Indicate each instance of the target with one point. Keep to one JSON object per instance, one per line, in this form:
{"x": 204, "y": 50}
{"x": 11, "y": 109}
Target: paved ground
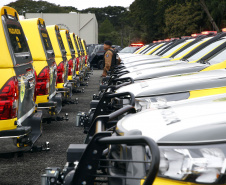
{"x": 28, "y": 168}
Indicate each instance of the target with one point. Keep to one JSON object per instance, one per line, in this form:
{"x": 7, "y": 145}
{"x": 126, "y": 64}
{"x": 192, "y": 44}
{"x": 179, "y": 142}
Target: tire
{"x": 100, "y": 64}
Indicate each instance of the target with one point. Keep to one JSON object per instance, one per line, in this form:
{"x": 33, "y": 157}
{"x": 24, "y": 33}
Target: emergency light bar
{"x": 209, "y": 32}
{"x": 137, "y": 44}
{"x": 196, "y": 34}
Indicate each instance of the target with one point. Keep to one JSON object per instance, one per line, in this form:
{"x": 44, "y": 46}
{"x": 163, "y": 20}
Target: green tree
{"x": 182, "y": 19}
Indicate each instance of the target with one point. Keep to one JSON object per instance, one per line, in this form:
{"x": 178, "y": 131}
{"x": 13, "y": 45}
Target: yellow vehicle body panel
{"x": 53, "y": 37}
{"x": 141, "y": 49}
{"x": 73, "y": 42}
{"x": 207, "y": 92}
{"x": 31, "y": 30}
{"x": 221, "y": 65}
{"x": 42, "y": 99}
{"x": 154, "y": 49}
{"x": 80, "y": 51}
{"x": 64, "y": 38}
{"x": 39, "y": 66}
{"x": 6, "y": 60}
{"x": 58, "y": 60}
{"x": 8, "y": 124}
{"x": 6, "y": 65}
{"x": 163, "y": 181}
{"x": 6, "y": 74}
{"x": 84, "y": 47}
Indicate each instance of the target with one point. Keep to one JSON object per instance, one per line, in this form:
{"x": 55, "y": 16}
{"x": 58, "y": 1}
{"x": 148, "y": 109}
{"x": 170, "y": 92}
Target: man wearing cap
{"x": 109, "y": 58}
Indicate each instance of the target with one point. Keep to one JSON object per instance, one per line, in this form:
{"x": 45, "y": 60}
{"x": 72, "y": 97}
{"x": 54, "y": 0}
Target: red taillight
{"x": 9, "y": 96}
{"x": 60, "y": 73}
{"x": 42, "y": 87}
{"x": 86, "y": 59}
{"x": 36, "y": 88}
{"x": 77, "y": 65}
{"x": 70, "y": 67}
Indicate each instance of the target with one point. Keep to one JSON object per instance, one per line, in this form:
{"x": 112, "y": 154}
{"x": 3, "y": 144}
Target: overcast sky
{"x": 83, "y": 4}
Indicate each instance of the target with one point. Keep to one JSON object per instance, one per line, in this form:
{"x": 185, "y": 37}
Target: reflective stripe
{"x": 19, "y": 121}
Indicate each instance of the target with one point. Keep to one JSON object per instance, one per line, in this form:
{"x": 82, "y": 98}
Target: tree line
{"x": 145, "y": 20}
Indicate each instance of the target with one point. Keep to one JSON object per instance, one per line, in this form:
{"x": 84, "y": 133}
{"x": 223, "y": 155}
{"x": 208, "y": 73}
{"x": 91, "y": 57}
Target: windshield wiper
{"x": 185, "y": 59}
{"x": 202, "y": 61}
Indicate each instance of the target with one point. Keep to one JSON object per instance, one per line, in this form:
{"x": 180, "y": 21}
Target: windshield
{"x": 59, "y": 38}
{"x": 80, "y": 44}
{"x": 175, "y": 48}
{"x": 147, "y": 49}
{"x": 128, "y": 50}
{"x": 205, "y": 50}
{"x": 191, "y": 47}
{"x": 220, "y": 57}
{"x": 160, "y": 48}
{"x": 17, "y": 38}
{"x": 76, "y": 44}
{"x": 46, "y": 40}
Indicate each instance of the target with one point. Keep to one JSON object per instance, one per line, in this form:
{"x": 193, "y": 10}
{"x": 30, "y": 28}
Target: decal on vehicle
{"x": 170, "y": 116}
{"x": 22, "y": 89}
{"x": 51, "y": 75}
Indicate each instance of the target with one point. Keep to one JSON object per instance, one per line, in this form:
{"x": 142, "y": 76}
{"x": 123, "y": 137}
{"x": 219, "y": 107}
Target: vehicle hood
{"x": 177, "y": 83}
{"x": 146, "y": 61}
{"x": 139, "y": 58}
{"x": 165, "y": 71}
{"x": 199, "y": 121}
{"x": 153, "y": 65}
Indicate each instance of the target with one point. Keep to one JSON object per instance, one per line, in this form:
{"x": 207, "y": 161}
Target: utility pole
{"x": 205, "y": 8}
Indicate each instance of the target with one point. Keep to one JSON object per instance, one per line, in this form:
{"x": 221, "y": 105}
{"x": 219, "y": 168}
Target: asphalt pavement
{"x": 27, "y": 169}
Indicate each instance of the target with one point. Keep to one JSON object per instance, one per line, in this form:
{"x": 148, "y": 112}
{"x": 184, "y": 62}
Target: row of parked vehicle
{"x": 41, "y": 67}
{"x": 159, "y": 118}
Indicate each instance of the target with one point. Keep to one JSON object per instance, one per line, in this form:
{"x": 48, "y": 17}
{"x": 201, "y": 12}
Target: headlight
{"x": 197, "y": 164}
{"x": 150, "y": 103}
{"x": 158, "y": 102}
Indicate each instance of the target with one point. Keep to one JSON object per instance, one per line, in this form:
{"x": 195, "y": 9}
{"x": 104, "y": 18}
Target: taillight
{"x": 36, "y": 88}
{"x": 77, "y": 65}
{"x": 70, "y": 67}
{"x": 60, "y": 73}
{"x": 9, "y": 96}
{"x": 86, "y": 59}
{"x": 43, "y": 82}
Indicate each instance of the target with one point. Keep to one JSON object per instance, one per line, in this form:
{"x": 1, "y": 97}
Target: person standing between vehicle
{"x": 109, "y": 58}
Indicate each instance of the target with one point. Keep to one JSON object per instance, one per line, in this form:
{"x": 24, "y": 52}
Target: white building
{"x": 82, "y": 24}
